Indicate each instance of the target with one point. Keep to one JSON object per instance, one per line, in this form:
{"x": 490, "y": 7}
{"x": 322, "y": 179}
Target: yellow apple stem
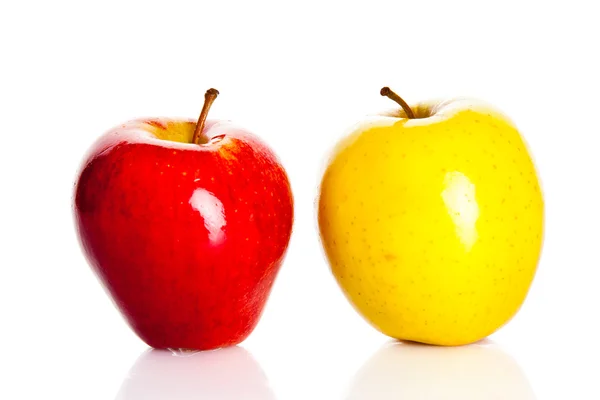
{"x": 209, "y": 98}
{"x": 386, "y": 91}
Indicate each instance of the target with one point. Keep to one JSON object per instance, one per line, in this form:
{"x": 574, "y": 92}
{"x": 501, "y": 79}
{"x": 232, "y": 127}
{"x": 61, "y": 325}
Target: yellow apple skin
{"x": 433, "y": 226}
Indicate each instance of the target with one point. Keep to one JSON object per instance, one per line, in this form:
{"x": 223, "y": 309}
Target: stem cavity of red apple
{"x": 386, "y": 91}
{"x": 209, "y": 97}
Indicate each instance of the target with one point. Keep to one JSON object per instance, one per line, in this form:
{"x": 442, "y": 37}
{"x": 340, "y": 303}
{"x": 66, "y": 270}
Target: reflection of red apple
{"x": 186, "y": 224}
{"x": 230, "y": 373}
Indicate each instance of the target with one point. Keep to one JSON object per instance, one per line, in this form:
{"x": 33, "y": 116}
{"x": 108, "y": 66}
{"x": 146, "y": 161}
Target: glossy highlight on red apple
{"x": 186, "y": 224}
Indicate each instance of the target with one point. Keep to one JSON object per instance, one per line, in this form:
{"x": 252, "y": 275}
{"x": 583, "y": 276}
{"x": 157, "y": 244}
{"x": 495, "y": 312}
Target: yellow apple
{"x": 432, "y": 218}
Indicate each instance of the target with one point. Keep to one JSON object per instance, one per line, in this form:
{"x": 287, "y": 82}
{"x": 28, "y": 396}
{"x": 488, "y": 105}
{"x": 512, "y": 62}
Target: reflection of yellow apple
{"x": 433, "y": 225}
{"x": 413, "y": 371}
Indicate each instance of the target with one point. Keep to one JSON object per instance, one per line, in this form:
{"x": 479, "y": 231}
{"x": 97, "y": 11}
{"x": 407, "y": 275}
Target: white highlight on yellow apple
{"x": 459, "y": 197}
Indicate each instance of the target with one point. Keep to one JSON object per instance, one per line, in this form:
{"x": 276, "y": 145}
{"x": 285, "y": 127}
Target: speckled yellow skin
{"x": 433, "y": 227}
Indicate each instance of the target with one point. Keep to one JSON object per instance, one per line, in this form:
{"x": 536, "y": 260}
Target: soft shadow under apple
{"x": 414, "y": 371}
{"x": 229, "y": 373}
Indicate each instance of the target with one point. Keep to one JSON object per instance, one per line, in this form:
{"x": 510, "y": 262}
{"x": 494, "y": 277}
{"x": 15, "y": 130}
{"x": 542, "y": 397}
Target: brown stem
{"x": 386, "y": 91}
{"x": 209, "y": 98}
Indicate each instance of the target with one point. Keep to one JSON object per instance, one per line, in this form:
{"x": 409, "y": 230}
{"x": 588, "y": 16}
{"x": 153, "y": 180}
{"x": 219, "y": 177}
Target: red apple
{"x": 186, "y": 225}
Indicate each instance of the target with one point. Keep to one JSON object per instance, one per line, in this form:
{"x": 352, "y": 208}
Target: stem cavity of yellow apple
{"x": 386, "y": 91}
{"x": 209, "y": 97}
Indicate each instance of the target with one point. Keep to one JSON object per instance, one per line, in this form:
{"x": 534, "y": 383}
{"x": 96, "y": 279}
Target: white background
{"x": 297, "y": 74}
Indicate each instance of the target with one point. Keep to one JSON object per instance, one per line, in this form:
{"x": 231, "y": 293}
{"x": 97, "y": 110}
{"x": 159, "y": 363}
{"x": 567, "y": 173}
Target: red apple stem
{"x": 386, "y": 91}
{"x": 199, "y": 136}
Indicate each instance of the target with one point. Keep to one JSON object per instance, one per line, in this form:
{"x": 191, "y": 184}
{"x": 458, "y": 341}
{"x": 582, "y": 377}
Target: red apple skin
{"x": 187, "y": 239}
